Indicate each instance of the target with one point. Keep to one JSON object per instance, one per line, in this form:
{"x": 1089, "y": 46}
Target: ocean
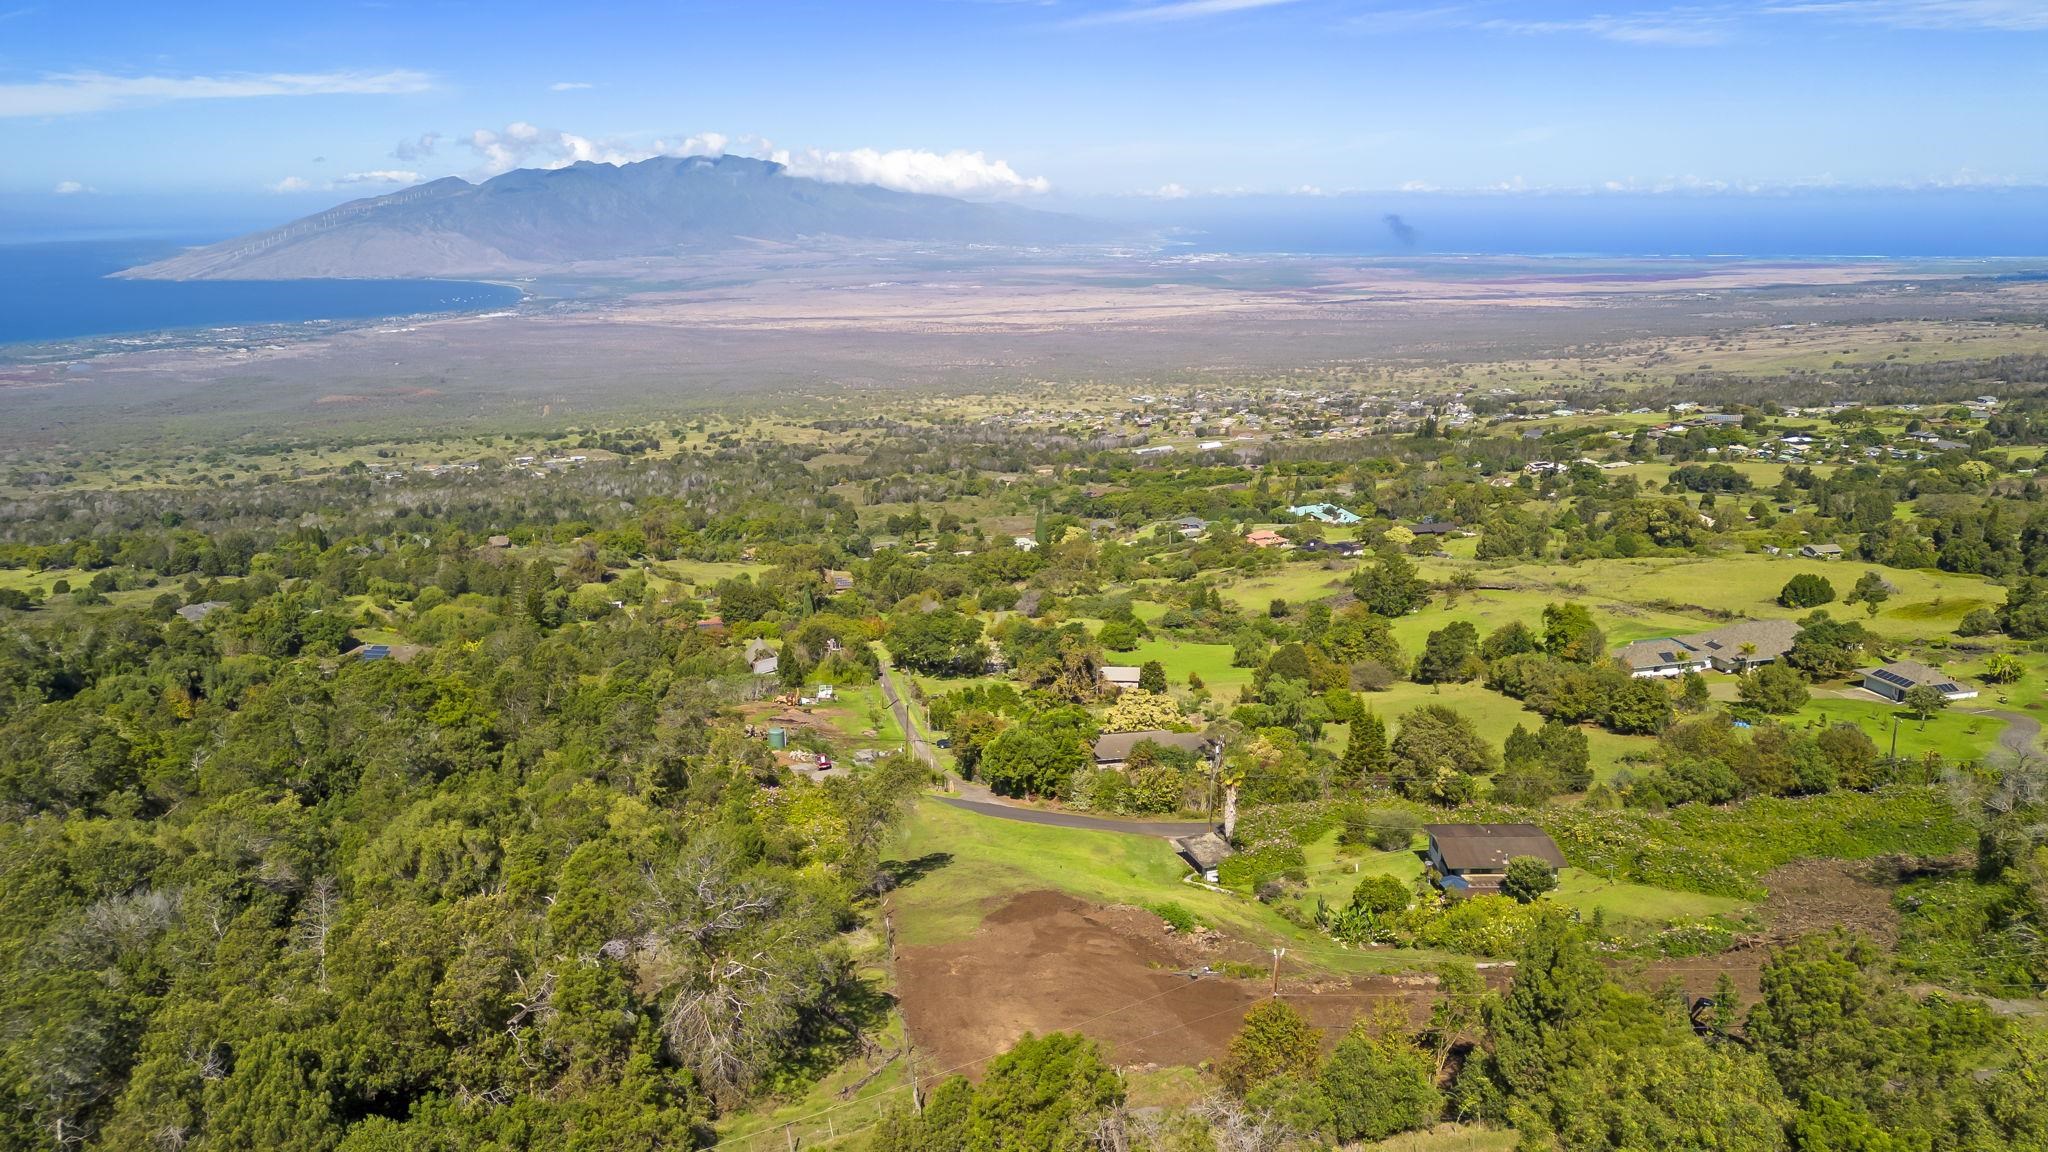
{"x": 60, "y": 291}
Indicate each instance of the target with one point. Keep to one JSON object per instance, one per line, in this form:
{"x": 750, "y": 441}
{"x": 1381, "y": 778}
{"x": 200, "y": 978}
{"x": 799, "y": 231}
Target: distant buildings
{"x": 1325, "y": 513}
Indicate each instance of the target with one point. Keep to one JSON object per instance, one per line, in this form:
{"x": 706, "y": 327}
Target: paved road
{"x": 1002, "y": 811}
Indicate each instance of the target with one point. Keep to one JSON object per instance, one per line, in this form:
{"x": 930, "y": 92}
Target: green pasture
{"x": 982, "y": 860}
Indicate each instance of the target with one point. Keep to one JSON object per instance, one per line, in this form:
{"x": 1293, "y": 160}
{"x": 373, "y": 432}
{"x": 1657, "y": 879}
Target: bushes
{"x": 1253, "y": 867}
{"x": 1382, "y": 829}
{"x": 1806, "y": 590}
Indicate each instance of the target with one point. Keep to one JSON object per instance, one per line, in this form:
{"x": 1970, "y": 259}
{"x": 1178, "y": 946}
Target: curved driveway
{"x": 981, "y": 801}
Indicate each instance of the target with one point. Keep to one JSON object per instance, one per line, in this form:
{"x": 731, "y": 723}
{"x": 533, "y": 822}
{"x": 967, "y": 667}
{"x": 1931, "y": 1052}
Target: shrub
{"x": 1527, "y": 879}
{"x": 1384, "y": 829}
{"x": 1806, "y": 590}
{"x": 1177, "y": 915}
{"x": 1269, "y": 861}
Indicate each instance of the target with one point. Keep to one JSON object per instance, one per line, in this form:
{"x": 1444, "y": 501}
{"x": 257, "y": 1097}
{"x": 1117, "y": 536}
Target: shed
{"x": 194, "y": 613}
{"x": 1205, "y": 851}
{"x": 1472, "y": 858}
{"x": 1121, "y": 675}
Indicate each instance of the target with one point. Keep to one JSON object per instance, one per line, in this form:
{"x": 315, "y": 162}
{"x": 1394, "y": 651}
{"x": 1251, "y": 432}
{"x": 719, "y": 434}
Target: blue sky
{"x": 311, "y": 104}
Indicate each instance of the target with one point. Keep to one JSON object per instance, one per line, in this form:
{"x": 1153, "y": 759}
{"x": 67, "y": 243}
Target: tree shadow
{"x": 898, "y": 873}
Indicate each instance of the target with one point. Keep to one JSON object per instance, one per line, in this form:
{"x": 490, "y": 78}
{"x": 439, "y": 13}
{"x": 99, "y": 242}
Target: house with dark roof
{"x": 1821, "y": 551}
{"x": 1113, "y": 749}
{"x": 1892, "y": 681}
{"x": 1471, "y": 859}
{"x": 1435, "y": 528}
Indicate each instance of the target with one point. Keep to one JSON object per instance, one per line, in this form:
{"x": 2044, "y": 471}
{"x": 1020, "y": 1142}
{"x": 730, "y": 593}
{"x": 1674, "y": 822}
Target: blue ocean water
{"x": 60, "y": 291}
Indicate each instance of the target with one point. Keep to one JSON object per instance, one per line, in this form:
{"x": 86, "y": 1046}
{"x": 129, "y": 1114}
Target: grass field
{"x": 1960, "y": 733}
{"x": 1577, "y": 888}
{"x": 987, "y": 859}
{"x": 1927, "y": 604}
{"x": 1209, "y": 661}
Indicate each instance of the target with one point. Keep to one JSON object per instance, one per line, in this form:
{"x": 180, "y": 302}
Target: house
{"x": 1210, "y": 446}
{"x": 766, "y": 665}
{"x": 1733, "y": 648}
{"x": 1435, "y": 528}
{"x": 1821, "y": 551}
{"x": 1894, "y": 680}
{"x": 1265, "y": 538}
{"x": 1745, "y": 644}
{"x": 194, "y": 613}
{"x": 1123, "y": 676}
{"x": 1205, "y": 852}
{"x": 839, "y": 581}
{"x": 1113, "y": 749}
{"x": 1326, "y": 513}
{"x": 1471, "y": 859}
{"x": 499, "y": 541}
{"x": 1191, "y": 526}
{"x": 1660, "y": 659}
{"x": 712, "y": 625}
{"x": 1024, "y": 543}
{"x": 374, "y": 652}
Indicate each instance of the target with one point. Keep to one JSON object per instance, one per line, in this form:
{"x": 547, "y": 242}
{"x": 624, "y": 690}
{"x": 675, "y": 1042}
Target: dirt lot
{"x": 1807, "y": 896}
{"x": 1044, "y": 961}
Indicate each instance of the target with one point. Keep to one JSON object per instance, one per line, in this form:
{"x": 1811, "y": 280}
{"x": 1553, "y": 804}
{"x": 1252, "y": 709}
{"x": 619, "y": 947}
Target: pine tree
{"x": 1365, "y": 754}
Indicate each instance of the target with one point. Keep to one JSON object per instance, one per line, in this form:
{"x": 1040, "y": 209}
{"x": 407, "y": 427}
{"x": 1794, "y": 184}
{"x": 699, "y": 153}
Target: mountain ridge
{"x": 533, "y": 220}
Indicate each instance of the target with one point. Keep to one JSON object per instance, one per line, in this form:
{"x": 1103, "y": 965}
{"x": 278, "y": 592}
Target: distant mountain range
{"x": 535, "y": 220}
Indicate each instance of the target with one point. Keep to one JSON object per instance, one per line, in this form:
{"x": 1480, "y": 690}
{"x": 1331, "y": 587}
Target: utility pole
{"x": 1895, "y": 742}
{"x": 1277, "y": 954}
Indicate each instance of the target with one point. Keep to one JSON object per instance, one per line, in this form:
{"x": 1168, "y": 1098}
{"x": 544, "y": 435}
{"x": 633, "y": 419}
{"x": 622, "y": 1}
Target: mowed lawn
{"x": 979, "y": 861}
{"x": 1209, "y": 661}
{"x": 1962, "y": 732}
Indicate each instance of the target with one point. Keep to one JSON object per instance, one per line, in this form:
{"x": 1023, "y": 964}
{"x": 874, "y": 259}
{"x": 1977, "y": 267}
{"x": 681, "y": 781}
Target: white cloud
{"x": 380, "y": 176}
{"x": 292, "y": 184}
{"x": 1168, "y": 192}
{"x": 1928, "y": 15}
{"x": 569, "y": 86}
{"x": 956, "y": 173}
{"x": 71, "y": 188}
{"x": 425, "y": 144}
{"x": 71, "y": 93}
{"x": 1178, "y": 10}
{"x": 1686, "y": 29}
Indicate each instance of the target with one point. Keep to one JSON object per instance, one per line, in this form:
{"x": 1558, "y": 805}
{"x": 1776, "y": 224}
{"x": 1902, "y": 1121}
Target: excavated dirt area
{"x": 1044, "y": 961}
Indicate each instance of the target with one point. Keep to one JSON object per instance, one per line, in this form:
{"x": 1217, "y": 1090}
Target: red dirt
{"x": 1044, "y": 962}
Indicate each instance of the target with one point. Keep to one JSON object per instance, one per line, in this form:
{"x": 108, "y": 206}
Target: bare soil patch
{"x": 1044, "y": 962}
{"x": 1806, "y": 896}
